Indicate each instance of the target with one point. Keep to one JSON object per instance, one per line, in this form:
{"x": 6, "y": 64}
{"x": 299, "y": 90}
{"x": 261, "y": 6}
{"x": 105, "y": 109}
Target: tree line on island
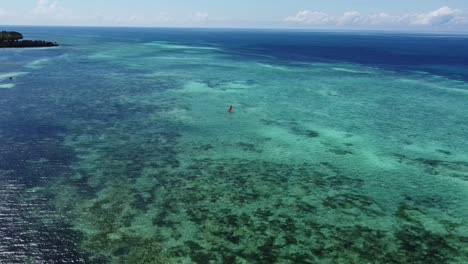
{"x": 13, "y": 39}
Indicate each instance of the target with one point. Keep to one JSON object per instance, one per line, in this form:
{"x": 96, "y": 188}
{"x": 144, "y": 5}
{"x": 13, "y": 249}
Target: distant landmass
{"x": 12, "y": 39}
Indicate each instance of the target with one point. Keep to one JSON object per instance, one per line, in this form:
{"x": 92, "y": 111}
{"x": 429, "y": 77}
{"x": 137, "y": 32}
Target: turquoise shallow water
{"x": 117, "y": 147}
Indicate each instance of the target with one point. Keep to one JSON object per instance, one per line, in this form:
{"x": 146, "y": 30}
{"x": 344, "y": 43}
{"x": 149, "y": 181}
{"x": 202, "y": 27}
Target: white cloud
{"x": 47, "y": 8}
{"x": 199, "y": 17}
{"x": 310, "y": 17}
{"x": 53, "y": 12}
{"x": 56, "y": 12}
{"x": 6, "y": 16}
{"x": 140, "y": 20}
{"x": 352, "y": 18}
{"x": 384, "y": 19}
{"x": 442, "y": 17}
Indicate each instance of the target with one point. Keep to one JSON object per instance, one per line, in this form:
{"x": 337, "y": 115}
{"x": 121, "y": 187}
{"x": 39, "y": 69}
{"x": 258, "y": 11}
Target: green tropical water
{"x": 319, "y": 162}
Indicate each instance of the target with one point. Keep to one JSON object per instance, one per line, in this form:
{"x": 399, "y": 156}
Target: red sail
{"x": 230, "y": 109}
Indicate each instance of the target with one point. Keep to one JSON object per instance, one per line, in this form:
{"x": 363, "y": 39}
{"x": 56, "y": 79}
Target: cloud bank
{"x": 52, "y": 11}
{"x": 56, "y": 12}
{"x": 443, "y": 17}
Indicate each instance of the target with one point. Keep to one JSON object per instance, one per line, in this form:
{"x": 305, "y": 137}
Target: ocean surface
{"x": 342, "y": 147}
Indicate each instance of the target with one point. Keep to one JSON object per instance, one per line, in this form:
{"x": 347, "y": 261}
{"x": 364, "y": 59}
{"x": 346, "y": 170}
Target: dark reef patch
{"x": 312, "y": 133}
{"x": 248, "y": 147}
{"x": 340, "y": 152}
{"x": 205, "y": 147}
{"x": 445, "y": 152}
{"x": 456, "y": 169}
{"x": 304, "y": 132}
{"x": 423, "y": 245}
{"x": 348, "y": 201}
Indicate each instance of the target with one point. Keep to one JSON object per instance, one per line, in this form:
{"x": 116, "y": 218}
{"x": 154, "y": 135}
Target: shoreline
{"x": 28, "y": 44}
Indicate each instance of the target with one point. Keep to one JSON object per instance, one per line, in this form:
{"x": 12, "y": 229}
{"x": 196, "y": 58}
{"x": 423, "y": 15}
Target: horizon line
{"x": 252, "y": 28}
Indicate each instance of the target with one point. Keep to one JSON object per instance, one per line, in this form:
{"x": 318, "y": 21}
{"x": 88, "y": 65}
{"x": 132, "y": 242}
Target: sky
{"x": 427, "y": 15}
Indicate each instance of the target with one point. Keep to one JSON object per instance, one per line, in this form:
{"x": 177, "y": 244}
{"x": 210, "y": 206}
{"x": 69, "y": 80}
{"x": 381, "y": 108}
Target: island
{"x": 12, "y": 39}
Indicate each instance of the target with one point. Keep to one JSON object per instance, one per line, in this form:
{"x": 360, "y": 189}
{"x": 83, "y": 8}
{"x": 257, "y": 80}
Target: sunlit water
{"x": 117, "y": 147}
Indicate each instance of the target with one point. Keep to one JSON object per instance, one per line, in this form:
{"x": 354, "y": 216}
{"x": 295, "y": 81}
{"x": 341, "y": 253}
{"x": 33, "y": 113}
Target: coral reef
{"x": 139, "y": 162}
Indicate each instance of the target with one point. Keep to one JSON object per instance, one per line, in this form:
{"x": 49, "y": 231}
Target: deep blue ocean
{"x": 342, "y": 147}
